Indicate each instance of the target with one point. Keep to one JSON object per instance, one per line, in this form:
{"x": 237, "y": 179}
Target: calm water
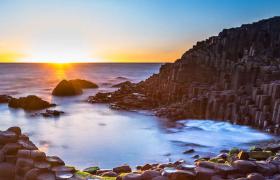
{"x": 94, "y": 134}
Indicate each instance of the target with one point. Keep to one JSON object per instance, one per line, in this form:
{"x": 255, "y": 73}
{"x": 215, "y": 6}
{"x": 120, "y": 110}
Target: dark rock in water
{"x": 52, "y": 113}
{"x": 83, "y": 84}
{"x": 5, "y": 98}
{"x": 66, "y": 88}
{"x": 126, "y": 83}
{"x": 29, "y": 103}
{"x": 189, "y": 151}
{"x": 72, "y": 87}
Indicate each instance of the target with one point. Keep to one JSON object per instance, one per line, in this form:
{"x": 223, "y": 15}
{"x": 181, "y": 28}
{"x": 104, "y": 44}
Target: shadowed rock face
{"x": 29, "y": 103}
{"x": 72, "y": 87}
{"x": 233, "y": 76}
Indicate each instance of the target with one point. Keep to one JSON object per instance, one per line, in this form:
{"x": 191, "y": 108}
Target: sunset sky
{"x": 117, "y": 30}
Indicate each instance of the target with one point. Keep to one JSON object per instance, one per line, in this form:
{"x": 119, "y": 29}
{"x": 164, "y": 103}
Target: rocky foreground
{"x": 21, "y": 159}
{"x": 234, "y": 76}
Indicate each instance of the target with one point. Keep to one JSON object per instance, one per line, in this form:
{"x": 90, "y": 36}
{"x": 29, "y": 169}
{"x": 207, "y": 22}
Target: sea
{"x": 95, "y": 135}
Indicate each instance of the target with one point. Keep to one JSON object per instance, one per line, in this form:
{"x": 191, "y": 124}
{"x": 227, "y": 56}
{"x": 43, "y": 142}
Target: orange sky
{"x": 117, "y": 30}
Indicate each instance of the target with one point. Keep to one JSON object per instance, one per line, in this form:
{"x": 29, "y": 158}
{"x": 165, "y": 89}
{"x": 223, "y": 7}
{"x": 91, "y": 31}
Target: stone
{"x": 146, "y": 167}
{"x": 8, "y": 137}
{"x": 189, "y": 151}
{"x": 92, "y": 170}
{"x": 160, "y": 178}
{"x": 242, "y": 155}
{"x": 182, "y": 175}
{"x": 52, "y": 113}
{"x": 109, "y": 174}
{"x": 11, "y": 148}
{"x": 260, "y": 155}
{"x": 122, "y": 84}
{"x": 132, "y": 176}
{"x": 150, "y": 174}
{"x": 54, "y": 161}
{"x": 37, "y": 155}
{"x": 83, "y": 84}
{"x": 66, "y": 88}
{"x": 5, "y": 98}
{"x": 7, "y": 171}
{"x": 245, "y": 166}
{"x": 255, "y": 176}
{"x": 204, "y": 173}
{"x": 29, "y": 103}
{"x": 122, "y": 169}
{"x": 15, "y": 129}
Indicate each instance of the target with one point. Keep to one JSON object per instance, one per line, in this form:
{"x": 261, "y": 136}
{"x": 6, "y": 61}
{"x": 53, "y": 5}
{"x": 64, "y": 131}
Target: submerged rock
{"x": 52, "y": 113}
{"x": 29, "y": 103}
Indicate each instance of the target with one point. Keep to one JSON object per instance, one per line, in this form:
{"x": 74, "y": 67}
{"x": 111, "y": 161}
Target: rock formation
{"x": 233, "y": 76}
{"x": 72, "y": 87}
{"x": 29, "y": 103}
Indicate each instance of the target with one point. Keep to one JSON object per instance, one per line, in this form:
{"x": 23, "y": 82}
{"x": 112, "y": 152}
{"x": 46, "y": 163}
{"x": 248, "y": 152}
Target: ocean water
{"x": 95, "y": 135}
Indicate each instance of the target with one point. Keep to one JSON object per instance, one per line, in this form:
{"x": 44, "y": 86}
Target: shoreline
{"x": 21, "y": 159}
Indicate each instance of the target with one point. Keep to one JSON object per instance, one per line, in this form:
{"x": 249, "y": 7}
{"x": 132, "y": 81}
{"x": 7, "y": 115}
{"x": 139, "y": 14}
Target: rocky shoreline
{"x": 234, "y": 77}
{"x": 21, "y": 159}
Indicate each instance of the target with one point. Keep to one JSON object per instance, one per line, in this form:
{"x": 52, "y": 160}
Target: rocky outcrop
{"x": 72, "y": 87}
{"x": 20, "y": 159}
{"x": 233, "y": 76}
{"x": 29, "y": 103}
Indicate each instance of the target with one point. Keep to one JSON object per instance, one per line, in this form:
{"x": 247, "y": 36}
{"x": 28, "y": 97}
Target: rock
{"x": 37, "y": 155}
{"x": 150, "y": 174}
{"x": 54, "y": 161}
{"x": 131, "y": 176}
{"x": 189, "y": 151}
{"x": 15, "y": 129}
{"x": 204, "y": 173}
{"x": 5, "y": 98}
{"x": 122, "y": 169}
{"x": 52, "y": 113}
{"x": 8, "y": 137}
{"x": 160, "y": 178}
{"x": 242, "y": 155}
{"x": 182, "y": 175}
{"x": 7, "y": 171}
{"x": 66, "y": 88}
{"x": 260, "y": 155}
{"x": 83, "y": 84}
{"x": 92, "y": 170}
{"x": 109, "y": 174}
{"x": 255, "y": 176}
{"x": 29, "y": 103}
{"x": 245, "y": 166}
{"x": 146, "y": 167}
{"x": 122, "y": 84}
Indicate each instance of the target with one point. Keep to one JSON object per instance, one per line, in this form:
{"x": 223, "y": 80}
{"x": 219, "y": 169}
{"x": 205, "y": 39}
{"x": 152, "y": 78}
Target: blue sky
{"x": 117, "y": 30}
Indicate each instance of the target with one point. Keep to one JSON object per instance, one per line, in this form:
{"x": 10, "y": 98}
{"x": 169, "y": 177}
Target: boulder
{"x": 109, "y": 174}
{"x": 130, "y": 176}
{"x": 122, "y": 84}
{"x": 5, "y": 98}
{"x": 122, "y": 169}
{"x": 245, "y": 166}
{"x": 83, "y": 84}
{"x": 66, "y": 88}
{"x": 150, "y": 174}
{"x": 7, "y": 171}
{"x": 260, "y": 155}
{"x": 182, "y": 175}
{"x": 29, "y": 103}
{"x": 255, "y": 176}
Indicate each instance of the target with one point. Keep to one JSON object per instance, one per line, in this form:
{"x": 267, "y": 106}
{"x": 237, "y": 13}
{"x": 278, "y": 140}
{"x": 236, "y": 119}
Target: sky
{"x": 117, "y": 30}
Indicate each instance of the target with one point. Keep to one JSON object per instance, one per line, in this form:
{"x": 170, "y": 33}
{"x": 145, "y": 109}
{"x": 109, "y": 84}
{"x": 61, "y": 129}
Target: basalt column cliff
{"x": 233, "y": 76}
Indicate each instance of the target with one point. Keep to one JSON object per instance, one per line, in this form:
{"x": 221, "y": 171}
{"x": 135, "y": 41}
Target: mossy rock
{"x": 260, "y": 155}
{"x": 92, "y": 170}
{"x": 233, "y": 151}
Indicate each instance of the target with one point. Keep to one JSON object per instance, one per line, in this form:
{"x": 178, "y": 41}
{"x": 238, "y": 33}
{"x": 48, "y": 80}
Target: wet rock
{"x": 122, "y": 84}
{"x": 8, "y": 137}
{"x": 150, "y": 174}
{"x": 52, "y": 113}
{"x": 15, "y": 129}
{"x": 255, "y": 176}
{"x": 83, "y": 84}
{"x": 5, "y": 98}
{"x": 7, "y": 171}
{"x": 189, "y": 151}
{"x": 242, "y": 155}
{"x": 259, "y": 155}
{"x": 122, "y": 169}
{"x": 130, "y": 176}
{"x": 66, "y": 88}
{"x": 182, "y": 175}
{"x": 109, "y": 174}
{"x": 29, "y": 103}
{"x": 204, "y": 173}
{"x": 160, "y": 178}
{"x": 54, "y": 161}
{"x": 245, "y": 166}
{"x": 146, "y": 167}
{"x": 92, "y": 170}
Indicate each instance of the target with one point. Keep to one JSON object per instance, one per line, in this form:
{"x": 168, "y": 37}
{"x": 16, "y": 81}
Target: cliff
{"x": 234, "y": 76}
